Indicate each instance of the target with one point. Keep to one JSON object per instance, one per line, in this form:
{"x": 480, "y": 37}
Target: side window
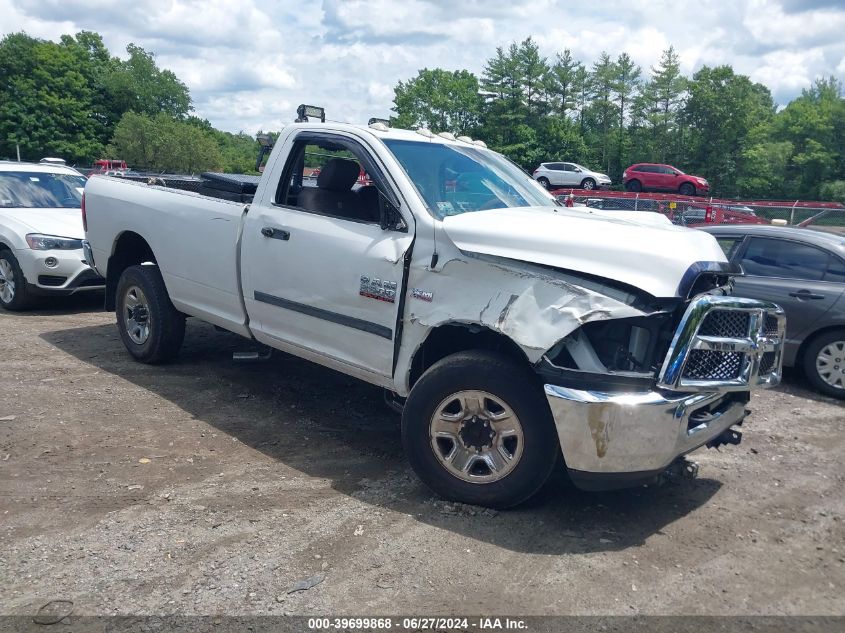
{"x": 326, "y": 177}
{"x": 781, "y": 258}
{"x": 835, "y": 270}
{"x": 729, "y": 245}
{"x": 568, "y": 167}
{"x": 646, "y": 169}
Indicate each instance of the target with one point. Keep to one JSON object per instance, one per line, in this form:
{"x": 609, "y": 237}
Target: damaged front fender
{"x": 532, "y": 306}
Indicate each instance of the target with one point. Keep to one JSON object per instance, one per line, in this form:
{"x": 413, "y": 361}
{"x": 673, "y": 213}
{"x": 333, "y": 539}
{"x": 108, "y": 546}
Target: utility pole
{"x": 18, "y": 149}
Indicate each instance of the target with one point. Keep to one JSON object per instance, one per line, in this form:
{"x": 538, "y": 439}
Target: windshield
{"x": 453, "y": 179}
{"x": 40, "y": 190}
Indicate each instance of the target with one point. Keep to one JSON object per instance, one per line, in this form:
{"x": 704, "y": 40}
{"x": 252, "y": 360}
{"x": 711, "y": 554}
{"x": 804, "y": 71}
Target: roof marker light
{"x": 465, "y": 139}
{"x": 447, "y": 135}
{"x": 378, "y": 126}
{"x": 424, "y": 131}
{"x": 480, "y": 143}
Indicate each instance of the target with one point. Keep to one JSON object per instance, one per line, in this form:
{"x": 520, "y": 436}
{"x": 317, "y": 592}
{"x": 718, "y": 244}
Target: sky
{"x": 249, "y": 63}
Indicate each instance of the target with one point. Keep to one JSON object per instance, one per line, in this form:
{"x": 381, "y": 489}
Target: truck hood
{"x": 59, "y": 222}
{"x": 647, "y": 255}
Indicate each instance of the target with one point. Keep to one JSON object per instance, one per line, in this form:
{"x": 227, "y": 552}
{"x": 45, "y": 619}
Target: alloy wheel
{"x": 7, "y": 281}
{"x": 137, "y": 315}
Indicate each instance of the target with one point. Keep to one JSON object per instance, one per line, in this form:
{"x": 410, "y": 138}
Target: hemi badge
{"x": 422, "y": 295}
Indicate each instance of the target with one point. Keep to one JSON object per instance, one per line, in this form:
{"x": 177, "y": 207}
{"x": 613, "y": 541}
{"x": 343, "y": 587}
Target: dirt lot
{"x": 213, "y": 487}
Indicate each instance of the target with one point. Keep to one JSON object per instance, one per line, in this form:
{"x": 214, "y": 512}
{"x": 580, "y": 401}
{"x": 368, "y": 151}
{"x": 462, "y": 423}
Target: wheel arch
{"x": 129, "y": 249}
{"x": 452, "y": 337}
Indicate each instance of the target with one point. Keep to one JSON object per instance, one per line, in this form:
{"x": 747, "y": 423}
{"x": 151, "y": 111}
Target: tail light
{"x": 708, "y": 214}
{"x": 84, "y": 217}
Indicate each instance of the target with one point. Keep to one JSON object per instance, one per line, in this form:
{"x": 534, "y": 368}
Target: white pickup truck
{"x": 509, "y": 329}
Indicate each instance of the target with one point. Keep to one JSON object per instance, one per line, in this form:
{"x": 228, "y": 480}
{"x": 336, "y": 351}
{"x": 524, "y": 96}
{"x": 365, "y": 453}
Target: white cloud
{"x": 248, "y": 63}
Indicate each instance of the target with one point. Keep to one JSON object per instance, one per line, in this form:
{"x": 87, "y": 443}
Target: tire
{"x": 151, "y": 329}
{"x": 824, "y": 363}
{"x": 588, "y": 183}
{"x": 687, "y": 189}
{"x": 544, "y": 181}
{"x": 525, "y": 446}
{"x": 633, "y": 185}
{"x": 14, "y": 294}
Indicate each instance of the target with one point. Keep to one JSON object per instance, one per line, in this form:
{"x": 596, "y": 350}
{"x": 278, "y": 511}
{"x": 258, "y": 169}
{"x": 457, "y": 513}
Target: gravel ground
{"x": 211, "y": 487}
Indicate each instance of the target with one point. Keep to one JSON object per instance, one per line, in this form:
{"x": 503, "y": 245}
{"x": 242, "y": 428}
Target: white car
{"x": 552, "y": 175}
{"x": 41, "y": 234}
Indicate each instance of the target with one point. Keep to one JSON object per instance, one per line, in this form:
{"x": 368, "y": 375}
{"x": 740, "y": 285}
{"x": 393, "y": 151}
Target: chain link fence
{"x": 688, "y": 211}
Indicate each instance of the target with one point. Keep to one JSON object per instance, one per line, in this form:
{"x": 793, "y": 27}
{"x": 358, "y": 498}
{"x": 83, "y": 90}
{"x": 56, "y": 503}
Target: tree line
{"x": 74, "y": 100}
{"x": 612, "y": 113}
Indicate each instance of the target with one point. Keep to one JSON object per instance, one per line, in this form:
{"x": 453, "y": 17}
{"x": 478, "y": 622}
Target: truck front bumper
{"x": 617, "y": 440}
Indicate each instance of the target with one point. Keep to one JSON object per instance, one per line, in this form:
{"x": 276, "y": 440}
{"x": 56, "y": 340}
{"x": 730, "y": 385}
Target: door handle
{"x": 278, "y": 234}
{"x": 805, "y": 294}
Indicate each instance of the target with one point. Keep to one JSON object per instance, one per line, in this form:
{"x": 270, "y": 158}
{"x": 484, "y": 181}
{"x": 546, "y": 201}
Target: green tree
{"x": 441, "y": 100}
{"x": 162, "y": 143}
{"x": 814, "y": 124}
{"x": 46, "y": 104}
{"x": 563, "y": 82}
{"x": 722, "y": 109}
{"x": 139, "y": 85}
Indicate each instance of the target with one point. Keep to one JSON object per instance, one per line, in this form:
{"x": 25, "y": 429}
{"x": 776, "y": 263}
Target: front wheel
{"x": 687, "y": 189}
{"x": 149, "y": 326}
{"x": 14, "y": 294}
{"x": 544, "y": 181}
{"x": 634, "y": 185}
{"x": 824, "y": 363}
{"x": 588, "y": 184}
{"x": 477, "y": 429}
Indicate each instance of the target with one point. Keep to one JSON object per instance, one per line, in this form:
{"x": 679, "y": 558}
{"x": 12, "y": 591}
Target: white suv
{"x": 41, "y": 234}
{"x": 552, "y": 175}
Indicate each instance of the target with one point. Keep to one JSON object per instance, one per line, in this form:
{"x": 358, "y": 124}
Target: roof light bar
{"x": 305, "y": 111}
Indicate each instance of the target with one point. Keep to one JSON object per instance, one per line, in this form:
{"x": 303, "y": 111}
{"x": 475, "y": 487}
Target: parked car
{"x": 803, "y": 272}
{"x": 552, "y": 175}
{"x": 655, "y": 177}
{"x": 41, "y": 234}
{"x": 506, "y": 328}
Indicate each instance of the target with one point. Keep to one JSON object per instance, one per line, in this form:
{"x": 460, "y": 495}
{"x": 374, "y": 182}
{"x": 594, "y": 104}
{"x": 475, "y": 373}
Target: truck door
{"x": 320, "y": 274}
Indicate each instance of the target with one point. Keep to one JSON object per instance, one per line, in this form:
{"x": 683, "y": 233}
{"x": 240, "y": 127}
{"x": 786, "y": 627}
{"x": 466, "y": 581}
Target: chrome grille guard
{"x": 692, "y": 363}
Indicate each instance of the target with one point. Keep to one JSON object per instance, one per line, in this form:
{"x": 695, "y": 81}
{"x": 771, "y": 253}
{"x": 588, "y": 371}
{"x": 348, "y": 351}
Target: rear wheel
{"x": 824, "y": 363}
{"x": 634, "y": 185}
{"x": 544, "y": 181}
{"x": 149, "y": 326}
{"x": 687, "y": 189}
{"x": 477, "y": 429}
{"x": 14, "y": 294}
{"x": 588, "y": 183}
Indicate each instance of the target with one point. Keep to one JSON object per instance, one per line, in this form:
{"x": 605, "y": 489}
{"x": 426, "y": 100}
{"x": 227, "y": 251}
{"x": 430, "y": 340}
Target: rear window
{"x": 40, "y": 190}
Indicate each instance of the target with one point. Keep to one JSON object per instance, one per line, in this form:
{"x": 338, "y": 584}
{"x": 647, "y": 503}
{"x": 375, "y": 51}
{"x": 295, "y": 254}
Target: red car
{"x": 654, "y": 177}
